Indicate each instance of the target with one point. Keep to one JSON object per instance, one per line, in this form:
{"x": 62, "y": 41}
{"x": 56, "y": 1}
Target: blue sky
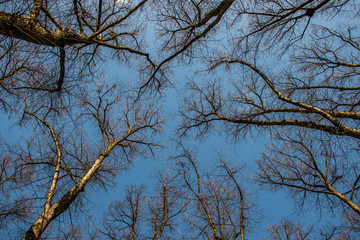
{"x": 274, "y": 206}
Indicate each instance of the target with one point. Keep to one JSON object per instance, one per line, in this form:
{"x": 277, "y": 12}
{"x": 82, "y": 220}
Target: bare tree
{"x": 14, "y": 205}
{"x": 150, "y": 216}
{"x": 287, "y": 230}
{"x": 310, "y": 109}
{"x": 189, "y": 28}
{"x": 54, "y": 47}
{"x": 187, "y": 203}
{"x": 220, "y": 208}
{"x": 123, "y": 218}
{"x": 166, "y": 207}
{"x": 51, "y": 54}
{"x": 63, "y": 165}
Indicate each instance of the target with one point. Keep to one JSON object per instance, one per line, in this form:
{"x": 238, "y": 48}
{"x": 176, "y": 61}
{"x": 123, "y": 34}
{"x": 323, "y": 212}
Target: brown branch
{"x": 110, "y": 25}
{"x": 198, "y": 194}
{"x": 347, "y": 115}
{"x": 342, "y": 128}
{"x": 218, "y": 13}
{"x": 35, "y": 10}
{"x": 77, "y": 14}
{"x": 58, "y": 162}
{"x": 98, "y": 20}
{"x": 309, "y": 13}
{"x": 53, "y": 20}
{"x": 62, "y": 70}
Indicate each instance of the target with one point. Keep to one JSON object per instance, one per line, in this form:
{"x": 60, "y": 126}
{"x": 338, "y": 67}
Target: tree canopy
{"x": 284, "y": 70}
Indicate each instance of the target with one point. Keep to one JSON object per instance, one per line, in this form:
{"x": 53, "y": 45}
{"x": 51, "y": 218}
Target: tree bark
{"x": 50, "y": 213}
{"x": 15, "y": 26}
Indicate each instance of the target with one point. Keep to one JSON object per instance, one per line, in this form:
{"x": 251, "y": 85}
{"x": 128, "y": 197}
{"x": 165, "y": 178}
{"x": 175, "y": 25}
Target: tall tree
{"x": 310, "y": 106}
{"x": 189, "y": 202}
{"x": 51, "y": 68}
{"x": 67, "y": 156}
{"x": 296, "y": 76}
{"x": 142, "y": 215}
